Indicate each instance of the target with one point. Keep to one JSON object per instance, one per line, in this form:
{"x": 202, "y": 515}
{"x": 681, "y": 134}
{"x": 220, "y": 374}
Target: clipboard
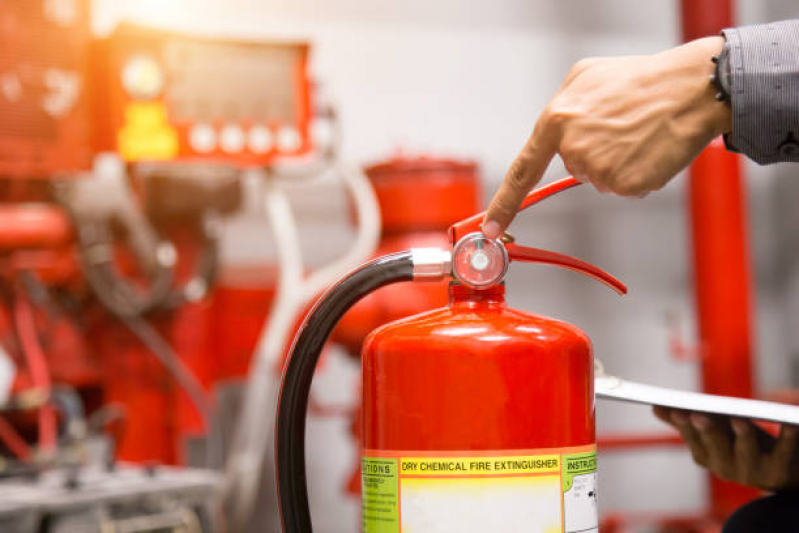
{"x": 613, "y": 388}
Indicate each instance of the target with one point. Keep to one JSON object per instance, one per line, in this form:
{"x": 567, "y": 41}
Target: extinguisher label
{"x": 541, "y": 491}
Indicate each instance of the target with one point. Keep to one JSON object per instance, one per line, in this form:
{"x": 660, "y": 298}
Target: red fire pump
{"x": 476, "y": 417}
{"x": 188, "y": 114}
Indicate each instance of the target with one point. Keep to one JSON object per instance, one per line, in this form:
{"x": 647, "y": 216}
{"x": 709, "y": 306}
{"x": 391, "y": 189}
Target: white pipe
{"x": 254, "y": 437}
{"x": 366, "y": 241}
{"x": 256, "y": 419}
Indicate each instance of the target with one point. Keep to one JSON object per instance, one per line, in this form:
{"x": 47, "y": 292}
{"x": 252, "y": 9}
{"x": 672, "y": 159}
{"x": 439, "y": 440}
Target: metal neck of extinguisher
{"x": 475, "y": 260}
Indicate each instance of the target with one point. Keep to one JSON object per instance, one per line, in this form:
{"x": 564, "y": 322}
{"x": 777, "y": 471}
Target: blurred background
{"x": 180, "y": 180}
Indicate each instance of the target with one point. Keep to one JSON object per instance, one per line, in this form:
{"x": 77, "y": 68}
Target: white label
{"x": 540, "y": 491}
{"x": 580, "y": 506}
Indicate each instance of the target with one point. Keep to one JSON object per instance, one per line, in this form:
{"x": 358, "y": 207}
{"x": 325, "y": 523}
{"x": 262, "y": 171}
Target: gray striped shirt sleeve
{"x": 764, "y": 62}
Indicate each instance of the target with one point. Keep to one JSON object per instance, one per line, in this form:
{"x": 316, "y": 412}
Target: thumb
{"x": 526, "y": 171}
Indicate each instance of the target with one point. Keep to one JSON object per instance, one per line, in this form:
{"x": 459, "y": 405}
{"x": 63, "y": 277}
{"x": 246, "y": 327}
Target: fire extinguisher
{"x": 476, "y": 417}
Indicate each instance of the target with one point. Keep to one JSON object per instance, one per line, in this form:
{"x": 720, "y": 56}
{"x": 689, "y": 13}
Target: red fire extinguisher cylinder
{"x": 476, "y": 417}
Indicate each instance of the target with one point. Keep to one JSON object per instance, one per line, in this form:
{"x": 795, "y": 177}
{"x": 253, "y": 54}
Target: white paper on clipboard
{"x": 613, "y": 388}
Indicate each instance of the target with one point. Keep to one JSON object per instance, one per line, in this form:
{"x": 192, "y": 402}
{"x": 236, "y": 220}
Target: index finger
{"x": 526, "y": 171}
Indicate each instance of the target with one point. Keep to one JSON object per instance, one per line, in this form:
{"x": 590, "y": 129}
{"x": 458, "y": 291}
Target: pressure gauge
{"x": 478, "y": 261}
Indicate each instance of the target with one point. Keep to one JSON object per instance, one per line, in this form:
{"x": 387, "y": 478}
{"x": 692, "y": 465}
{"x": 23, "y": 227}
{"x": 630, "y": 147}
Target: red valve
{"x": 535, "y": 255}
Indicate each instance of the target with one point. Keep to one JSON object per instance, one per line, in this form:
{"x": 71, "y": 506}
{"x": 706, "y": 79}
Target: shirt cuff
{"x": 764, "y": 63}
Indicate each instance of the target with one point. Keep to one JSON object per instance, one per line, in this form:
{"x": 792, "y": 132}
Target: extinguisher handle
{"x": 536, "y": 255}
{"x": 472, "y": 224}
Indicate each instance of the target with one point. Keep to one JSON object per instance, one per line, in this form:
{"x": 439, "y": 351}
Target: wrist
{"x": 717, "y": 113}
{"x": 721, "y": 79}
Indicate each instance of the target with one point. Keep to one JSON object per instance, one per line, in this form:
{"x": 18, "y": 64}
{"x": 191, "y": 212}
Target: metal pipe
{"x": 721, "y": 260}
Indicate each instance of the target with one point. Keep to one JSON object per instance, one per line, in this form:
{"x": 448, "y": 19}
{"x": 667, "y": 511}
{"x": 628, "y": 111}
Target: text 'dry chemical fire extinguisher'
{"x": 476, "y": 417}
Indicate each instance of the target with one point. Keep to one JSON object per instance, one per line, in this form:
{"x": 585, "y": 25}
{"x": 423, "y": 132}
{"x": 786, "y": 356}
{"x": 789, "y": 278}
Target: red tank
{"x": 501, "y": 367}
{"x": 449, "y": 190}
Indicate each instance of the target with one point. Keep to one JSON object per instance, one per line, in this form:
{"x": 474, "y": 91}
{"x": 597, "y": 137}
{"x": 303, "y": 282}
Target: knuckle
{"x": 629, "y": 187}
{"x": 501, "y": 207}
{"x": 555, "y": 115}
{"x": 583, "y": 64}
{"x": 570, "y": 153}
{"x": 600, "y": 174}
{"x": 517, "y": 178}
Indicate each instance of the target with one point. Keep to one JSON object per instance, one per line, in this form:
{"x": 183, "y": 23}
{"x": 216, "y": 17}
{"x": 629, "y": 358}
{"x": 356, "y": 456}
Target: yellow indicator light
{"x": 146, "y": 134}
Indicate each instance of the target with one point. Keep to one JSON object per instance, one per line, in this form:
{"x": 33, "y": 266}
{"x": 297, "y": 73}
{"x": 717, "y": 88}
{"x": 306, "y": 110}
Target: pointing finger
{"x": 526, "y": 171}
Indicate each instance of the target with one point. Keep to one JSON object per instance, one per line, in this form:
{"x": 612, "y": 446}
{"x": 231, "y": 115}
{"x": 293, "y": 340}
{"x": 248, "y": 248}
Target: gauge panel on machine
{"x": 176, "y": 97}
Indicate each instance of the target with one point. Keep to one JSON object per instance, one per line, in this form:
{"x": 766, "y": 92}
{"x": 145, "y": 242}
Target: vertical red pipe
{"x": 721, "y": 259}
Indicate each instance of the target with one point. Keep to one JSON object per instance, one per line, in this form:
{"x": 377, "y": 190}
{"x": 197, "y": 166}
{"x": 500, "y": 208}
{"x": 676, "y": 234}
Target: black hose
{"x": 293, "y": 401}
{"x": 115, "y": 292}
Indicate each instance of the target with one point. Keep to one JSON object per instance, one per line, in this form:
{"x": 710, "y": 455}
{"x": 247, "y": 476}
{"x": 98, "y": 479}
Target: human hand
{"x": 625, "y": 124}
{"x": 737, "y": 450}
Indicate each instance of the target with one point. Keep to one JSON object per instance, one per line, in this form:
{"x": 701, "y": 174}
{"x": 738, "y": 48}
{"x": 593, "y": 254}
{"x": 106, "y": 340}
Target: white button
{"x": 288, "y": 139}
{"x": 232, "y": 139}
{"x": 202, "y": 138}
{"x": 259, "y": 139}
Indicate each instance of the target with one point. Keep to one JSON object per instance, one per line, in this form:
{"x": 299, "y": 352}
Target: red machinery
{"x": 44, "y": 132}
{"x": 44, "y": 64}
{"x": 187, "y": 114}
{"x": 475, "y": 417}
{"x": 168, "y": 100}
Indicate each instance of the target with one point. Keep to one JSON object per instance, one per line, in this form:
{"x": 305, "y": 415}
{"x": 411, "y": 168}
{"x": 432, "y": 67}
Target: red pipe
{"x": 38, "y": 368}
{"x": 32, "y": 225}
{"x": 13, "y": 441}
{"x": 721, "y": 260}
{"x": 625, "y": 441}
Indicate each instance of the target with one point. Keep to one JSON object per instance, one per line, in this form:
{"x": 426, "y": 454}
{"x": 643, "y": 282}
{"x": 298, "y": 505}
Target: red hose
{"x": 37, "y": 366}
{"x": 14, "y": 441}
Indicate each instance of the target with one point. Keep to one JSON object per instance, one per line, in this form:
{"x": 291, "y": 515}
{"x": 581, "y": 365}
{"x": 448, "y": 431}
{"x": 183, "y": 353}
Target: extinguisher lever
{"x": 477, "y": 261}
{"x": 469, "y": 225}
{"x": 536, "y": 255}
